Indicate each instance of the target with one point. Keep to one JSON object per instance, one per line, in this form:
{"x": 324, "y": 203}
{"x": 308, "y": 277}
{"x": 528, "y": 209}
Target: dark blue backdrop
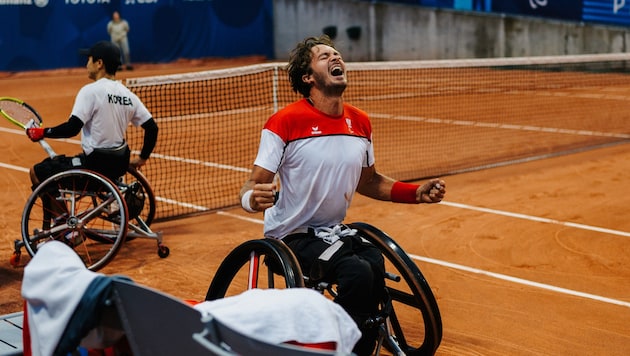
{"x": 48, "y": 33}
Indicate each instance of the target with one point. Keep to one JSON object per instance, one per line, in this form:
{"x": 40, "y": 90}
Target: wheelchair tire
{"x": 278, "y": 260}
{"x": 416, "y": 294}
{"x": 81, "y": 208}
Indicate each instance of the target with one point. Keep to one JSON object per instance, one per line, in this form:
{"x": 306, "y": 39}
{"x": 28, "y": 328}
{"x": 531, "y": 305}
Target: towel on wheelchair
{"x": 68, "y": 305}
{"x": 300, "y": 315}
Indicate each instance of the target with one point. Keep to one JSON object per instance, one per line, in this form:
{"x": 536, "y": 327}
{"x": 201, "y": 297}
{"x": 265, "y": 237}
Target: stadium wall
{"x": 368, "y": 31}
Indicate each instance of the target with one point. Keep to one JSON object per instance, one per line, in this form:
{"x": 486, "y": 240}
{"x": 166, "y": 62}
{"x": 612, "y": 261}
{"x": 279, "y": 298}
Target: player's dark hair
{"x": 111, "y": 68}
{"x": 300, "y": 63}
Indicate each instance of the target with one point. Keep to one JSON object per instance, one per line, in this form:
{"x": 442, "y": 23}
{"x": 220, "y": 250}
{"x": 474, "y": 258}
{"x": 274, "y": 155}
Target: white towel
{"x": 281, "y": 315}
{"x": 53, "y": 284}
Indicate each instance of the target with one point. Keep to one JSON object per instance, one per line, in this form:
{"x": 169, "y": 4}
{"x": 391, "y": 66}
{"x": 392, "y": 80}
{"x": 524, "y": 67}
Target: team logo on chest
{"x": 336, "y": 128}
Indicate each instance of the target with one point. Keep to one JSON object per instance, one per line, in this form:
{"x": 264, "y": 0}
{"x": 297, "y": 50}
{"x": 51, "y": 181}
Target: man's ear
{"x": 307, "y": 78}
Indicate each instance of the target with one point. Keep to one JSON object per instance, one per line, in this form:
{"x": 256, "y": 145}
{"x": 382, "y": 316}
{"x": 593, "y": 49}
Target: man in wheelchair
{"x": 321, "y": 150}
{"x": 102, "y": 112}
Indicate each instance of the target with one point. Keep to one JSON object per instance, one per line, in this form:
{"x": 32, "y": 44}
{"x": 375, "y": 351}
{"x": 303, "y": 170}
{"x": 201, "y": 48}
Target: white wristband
{"x": 245, "y": 201}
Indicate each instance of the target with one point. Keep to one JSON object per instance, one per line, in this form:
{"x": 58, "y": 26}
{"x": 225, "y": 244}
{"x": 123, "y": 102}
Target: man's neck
{"x": 330, "y": 105}
{"x": 103, "y": 74}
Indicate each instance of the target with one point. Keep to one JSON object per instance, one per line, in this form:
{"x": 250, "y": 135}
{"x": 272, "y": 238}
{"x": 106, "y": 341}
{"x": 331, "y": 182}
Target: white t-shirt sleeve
{"x": 142, "y": 114}
{"x": 270, "y": 151}
{"x": 83, "y": 104}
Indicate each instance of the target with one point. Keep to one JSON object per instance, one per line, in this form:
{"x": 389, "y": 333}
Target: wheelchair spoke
{"x": 75, "y": 207}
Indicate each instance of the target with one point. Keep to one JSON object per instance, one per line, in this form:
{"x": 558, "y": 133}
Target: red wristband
{"x": 404, "y": 193}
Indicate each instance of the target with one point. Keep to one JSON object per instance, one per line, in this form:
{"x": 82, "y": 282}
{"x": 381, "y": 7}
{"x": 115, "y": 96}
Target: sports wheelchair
{"x": 408, "y": 321}
{"x": 90, "y": 213}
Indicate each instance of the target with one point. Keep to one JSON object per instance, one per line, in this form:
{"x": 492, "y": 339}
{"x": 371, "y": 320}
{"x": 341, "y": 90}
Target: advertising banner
{"x": 45, "y": 34}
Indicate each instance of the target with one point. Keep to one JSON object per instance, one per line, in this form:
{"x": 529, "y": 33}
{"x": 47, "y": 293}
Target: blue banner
{"x": 614, "y": 12}
{"x": 46, "y": 34}
{"x": 556, "y": 9}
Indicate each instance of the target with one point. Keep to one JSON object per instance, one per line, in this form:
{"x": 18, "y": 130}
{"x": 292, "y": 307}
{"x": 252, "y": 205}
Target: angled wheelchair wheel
{"x": 136, "y": 184}
{"x": 414, "y": 323}
{"x": 262, "y": 263}
{"x": 139, "y": 197}
{"x": 81, "y": 208}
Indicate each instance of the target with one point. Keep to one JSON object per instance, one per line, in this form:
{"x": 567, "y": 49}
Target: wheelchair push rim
{"x": 419, "y": 295}
{"x": 81, "y": 208}
{"x": 252, "y": 255}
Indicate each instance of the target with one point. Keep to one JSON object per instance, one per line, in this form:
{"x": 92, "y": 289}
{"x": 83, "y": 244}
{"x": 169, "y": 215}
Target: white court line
{"x": 15, "y": 168}
{"x": 501, "y": 126}
{"x": 21, "y": 133}
{"x": 522, "y": 281}
{"x": 157, "y": 198}
{"x": 498, "y": 275}
{"x": 185, "y": 205}
{"x": 153, "y": 155}
{"x": 538, "y": 219}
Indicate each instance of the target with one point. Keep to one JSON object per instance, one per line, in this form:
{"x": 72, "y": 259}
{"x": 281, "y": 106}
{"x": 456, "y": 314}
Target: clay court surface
{"x": 528, "y": 259}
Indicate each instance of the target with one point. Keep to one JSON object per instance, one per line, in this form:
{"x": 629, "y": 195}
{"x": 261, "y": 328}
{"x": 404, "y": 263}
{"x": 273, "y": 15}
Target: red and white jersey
{"x": 319, "y": 159}
{"x": 106, "y": 108}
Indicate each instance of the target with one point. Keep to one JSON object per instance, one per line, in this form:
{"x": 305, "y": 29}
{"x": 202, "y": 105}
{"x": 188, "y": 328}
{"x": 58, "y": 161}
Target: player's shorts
{"x": 51, "y": 166}
{"x": 112, "y": 163}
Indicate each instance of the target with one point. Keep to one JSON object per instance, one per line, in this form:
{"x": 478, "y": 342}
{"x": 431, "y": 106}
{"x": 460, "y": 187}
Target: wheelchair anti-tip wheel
{"x": 81, "y": 208}
{"x": 263, "y": 263}
{"x": 140, "y": 199}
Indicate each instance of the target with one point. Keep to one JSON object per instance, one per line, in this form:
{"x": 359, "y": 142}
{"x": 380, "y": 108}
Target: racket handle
{"x": 48, "y": 149}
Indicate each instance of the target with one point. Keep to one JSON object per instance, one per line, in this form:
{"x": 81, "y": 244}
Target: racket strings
{"x": 18, "y": 112}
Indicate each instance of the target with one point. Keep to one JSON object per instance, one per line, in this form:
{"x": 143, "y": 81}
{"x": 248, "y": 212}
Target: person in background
{"x": 102, "y": 112}
{"x": 118, "y": 28}
{"x": 321, "y": 150}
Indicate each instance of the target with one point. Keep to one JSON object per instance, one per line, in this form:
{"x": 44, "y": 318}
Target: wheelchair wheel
{"x": 241, "y": 269}
{"x": 139, "y": 197}
{"x": 81, "y": 208}
{"x": 414, "y": 321}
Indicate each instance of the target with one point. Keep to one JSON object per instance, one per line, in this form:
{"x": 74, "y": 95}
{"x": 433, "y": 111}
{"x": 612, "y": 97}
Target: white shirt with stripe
{"x": 318, "y": 159}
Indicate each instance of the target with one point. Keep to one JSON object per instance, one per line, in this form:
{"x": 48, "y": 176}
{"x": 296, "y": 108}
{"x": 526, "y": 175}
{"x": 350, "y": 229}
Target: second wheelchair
{"x": 90, "y": 213}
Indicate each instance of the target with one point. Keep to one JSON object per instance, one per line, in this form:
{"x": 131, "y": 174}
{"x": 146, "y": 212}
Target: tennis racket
{"x": 24, "y": 116}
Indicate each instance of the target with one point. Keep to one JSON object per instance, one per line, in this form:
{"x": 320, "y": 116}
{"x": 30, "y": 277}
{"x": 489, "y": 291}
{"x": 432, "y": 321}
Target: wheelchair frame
{"x": 407, "y": 290}
{"x": 89, "y": 213}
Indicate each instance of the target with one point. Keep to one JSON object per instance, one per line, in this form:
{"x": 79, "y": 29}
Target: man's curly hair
{"x": 300, "y": 63}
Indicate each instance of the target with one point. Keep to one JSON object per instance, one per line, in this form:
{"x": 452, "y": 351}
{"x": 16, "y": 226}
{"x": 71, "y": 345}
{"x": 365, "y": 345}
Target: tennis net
{"x": 430, "y": 118}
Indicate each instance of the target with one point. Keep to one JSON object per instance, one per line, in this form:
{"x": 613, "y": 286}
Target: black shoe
{"x": 129, "y": 67}
{"x": 367, "y": 343}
